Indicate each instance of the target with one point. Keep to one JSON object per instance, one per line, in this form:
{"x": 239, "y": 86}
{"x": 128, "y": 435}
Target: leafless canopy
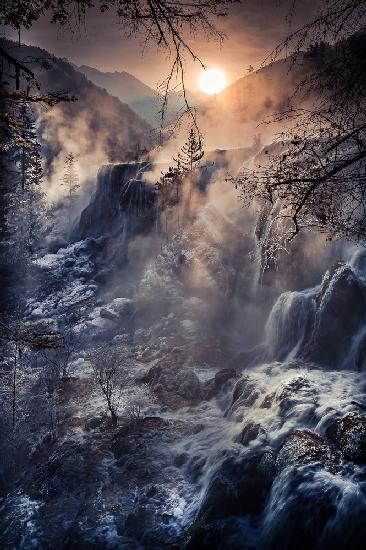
{"x": 316, "y": 175}
{"x": 107, "y": 366}
{"x": 166, "y": 23}
{"x": 26, "y": 336}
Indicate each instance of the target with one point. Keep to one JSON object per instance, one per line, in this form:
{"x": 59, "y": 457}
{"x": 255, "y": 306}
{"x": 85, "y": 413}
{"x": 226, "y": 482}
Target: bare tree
{"x": 165, "y": 23}
{"x": 135, "y": 400}
{"x": 107, "y": 366}
{"x": 315, "y": 178}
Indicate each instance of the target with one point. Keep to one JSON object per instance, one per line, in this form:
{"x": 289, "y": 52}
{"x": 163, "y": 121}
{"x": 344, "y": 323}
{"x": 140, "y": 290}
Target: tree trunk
{"x": 114, "y": 418}
{"x": 14, "y": 386}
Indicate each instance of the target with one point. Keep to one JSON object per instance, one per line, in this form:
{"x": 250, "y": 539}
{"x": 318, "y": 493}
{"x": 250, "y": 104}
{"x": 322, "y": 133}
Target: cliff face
{"x": 121, "y": 194}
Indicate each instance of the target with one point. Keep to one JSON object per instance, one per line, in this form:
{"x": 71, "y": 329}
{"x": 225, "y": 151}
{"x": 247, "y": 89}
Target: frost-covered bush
{"x": 136, "y": 400}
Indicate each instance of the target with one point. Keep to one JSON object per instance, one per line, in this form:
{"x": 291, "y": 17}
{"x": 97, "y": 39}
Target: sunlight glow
{"x": 212, "y": 81}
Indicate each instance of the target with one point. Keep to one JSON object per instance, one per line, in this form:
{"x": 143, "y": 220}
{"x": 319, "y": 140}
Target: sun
{"x": 212, "y": 81}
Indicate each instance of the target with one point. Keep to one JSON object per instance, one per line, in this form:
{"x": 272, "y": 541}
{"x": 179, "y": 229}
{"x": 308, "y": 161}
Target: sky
{"x": 253, "y": 28}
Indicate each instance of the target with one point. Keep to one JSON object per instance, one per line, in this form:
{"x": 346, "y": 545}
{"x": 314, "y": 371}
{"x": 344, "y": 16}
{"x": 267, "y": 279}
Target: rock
{"x": 188, "y": 385}
{"x": 117, "y": 190}
{"x": 296, "y": 390}
{"x": 223, "y": 375}
{"x": 174, "y": 381}
{"x": 239, "y": 487}
{"x": 302, "y": 513}
{"x": 268, "y": 401}
{"x": 67, "y": 467}
{"x": 250, "y": 432}
{"x": 166, "y": 367}
{"x": 122, "y": 306}
{"x": 341, "y": 310}
{"x": 349, "y": 435}
{"x": 214, "y": 386}
{"x": 108, "y": 314}
{"x": 304, "y": 447}
{"x": 245, "y": 394}
{"x": 267, "y": 465}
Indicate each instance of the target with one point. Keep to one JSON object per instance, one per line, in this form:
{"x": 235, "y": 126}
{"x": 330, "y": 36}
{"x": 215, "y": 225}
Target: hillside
{"x": 97, "y": 127}
{"x": 235, "y": 115}
{"x": 145, "y": 101}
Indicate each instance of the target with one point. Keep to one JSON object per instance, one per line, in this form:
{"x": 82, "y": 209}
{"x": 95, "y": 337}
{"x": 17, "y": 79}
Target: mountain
{"x": 123, "y": 85}
{"x": 97, "y": 127}
{"x": 237, "y": 113}
{"x": 145, "y": 101}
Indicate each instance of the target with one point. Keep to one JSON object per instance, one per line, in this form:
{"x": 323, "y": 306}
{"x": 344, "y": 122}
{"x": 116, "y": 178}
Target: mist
{"x": 176, "y": 371}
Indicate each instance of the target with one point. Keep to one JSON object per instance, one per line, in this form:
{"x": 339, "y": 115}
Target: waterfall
{"x": 120, "y": 191}
{"x": 324, "y": 324}
{"x": 289, "y": 322}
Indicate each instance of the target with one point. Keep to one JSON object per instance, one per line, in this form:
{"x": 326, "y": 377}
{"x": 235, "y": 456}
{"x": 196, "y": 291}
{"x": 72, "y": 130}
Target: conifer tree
{"x": 191, "y": 152}
{"x": 26, "y": 212}
{"x": 71, "y": 182}
{"x": 188, "y": 158}
{"x": 170, "y": 185}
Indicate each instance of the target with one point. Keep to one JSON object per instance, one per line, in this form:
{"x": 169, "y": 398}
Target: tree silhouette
{"x": 163, "y": 23}
{"x": 315, "y": 178}
{"x": 170, "y": 184}
{"x": 191, "y": 152}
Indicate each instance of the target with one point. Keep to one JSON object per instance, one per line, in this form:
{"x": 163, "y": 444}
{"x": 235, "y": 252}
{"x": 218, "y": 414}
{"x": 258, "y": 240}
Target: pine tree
{"x": 191, "y": 153}
{"x": 71, "y": 182}
{"x": 170, "y": 184}
{"x": 188, "y": 158}
{"x": 25, "y": 219}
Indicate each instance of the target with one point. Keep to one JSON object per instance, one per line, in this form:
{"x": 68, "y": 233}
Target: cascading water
{"x": 289, "y": 323}
{"x": 261, "y": 450}
{"x": 120, "y": 191}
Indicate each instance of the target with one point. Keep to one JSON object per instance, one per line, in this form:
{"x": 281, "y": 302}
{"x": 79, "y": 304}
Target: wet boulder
{"x": 239, "y": 487}
{"x": 349, "y": 435}
{"x": 301, "y": 512}
{"x": 221, "y": 380}
{"x": 340, "y": 312}
{"x": 296, "y": 392}
{"x": 188, "y": 385}
{"x": 223, "y": 375}
{"x": 250, "y": 432}
{"x": 268, "y": 400}
{"x": 245, "y": 395}
{"x": 303, "y": 447}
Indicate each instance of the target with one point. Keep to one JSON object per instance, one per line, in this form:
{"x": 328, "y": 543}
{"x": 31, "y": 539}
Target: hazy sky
{"x": 253, "y": 29}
